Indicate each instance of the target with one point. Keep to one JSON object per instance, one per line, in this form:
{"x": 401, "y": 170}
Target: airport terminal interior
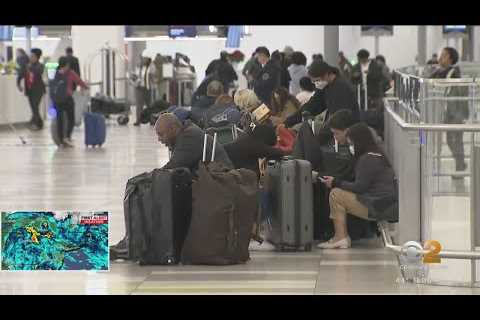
{"x": 138, "y": 88}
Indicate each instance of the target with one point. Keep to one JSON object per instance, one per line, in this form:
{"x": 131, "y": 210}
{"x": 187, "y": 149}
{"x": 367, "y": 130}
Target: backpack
{"x": 219, "y": 116}
{"x": 59, "y": 89}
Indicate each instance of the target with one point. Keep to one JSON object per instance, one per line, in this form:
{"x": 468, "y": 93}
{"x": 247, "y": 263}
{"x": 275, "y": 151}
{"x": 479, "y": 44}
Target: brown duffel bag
{"x": 224, "y": 209}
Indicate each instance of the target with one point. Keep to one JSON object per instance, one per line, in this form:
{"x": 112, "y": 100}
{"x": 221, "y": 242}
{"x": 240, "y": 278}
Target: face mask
{"x": 320, "y": 84}
{"x": 352, "y": 149}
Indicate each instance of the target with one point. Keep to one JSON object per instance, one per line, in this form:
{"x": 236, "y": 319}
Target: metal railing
{"x": 418, "y": 141}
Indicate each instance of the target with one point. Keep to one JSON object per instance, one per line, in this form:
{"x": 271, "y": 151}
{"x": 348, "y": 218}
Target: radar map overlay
{"x": 54, "y": 241}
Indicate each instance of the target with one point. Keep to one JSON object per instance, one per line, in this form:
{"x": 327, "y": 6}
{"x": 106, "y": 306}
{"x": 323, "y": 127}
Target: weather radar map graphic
{"x": 54, "y": 241}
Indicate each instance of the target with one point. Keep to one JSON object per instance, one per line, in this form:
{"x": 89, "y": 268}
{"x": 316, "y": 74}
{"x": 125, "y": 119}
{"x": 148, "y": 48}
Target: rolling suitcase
{"x": 157, "y": 208}
{"x": 95, "y": 129}
{"x": 224, "y": 209}
{"x": 291, "y": 193}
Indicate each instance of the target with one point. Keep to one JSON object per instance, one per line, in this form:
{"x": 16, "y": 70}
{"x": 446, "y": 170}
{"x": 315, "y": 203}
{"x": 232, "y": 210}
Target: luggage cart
{"x": 113, "y": 87}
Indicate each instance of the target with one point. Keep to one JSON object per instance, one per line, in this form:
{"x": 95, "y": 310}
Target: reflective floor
{"x": 38, "y": 176}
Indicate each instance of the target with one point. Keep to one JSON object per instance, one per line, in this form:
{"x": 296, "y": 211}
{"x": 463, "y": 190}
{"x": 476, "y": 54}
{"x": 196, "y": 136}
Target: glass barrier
{"x": 438, "y": 167}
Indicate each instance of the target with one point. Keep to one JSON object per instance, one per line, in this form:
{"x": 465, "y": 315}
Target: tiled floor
{"x": 39, "y": 176}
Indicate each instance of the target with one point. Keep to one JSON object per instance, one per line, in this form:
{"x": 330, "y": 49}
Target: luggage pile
{"x": 172, "y": 217}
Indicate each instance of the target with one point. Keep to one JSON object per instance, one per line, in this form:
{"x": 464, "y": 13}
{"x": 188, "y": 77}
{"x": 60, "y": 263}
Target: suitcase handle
{"x": 205, "y": 138}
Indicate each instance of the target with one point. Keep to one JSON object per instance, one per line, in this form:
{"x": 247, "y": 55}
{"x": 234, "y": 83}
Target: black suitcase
{"x": 158, "y": 209}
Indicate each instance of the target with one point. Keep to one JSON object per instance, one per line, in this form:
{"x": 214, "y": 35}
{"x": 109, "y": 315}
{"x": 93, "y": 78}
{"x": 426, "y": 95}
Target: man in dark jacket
{"x": 269, "y": 77}
{"x": 185, "y": 142}
{"x": 223, "y": 69}
{"x": 368, "y": 71}
{"x": 332, "y": 93}
{"x": 34, "y": 87}
{"x": 251, "y": 70}
{"x": 73, "y": 63}
{"x": 457, "y": 111}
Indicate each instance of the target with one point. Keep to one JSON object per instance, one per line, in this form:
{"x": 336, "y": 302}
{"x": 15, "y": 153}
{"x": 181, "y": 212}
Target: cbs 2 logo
{"x": 434, "y": 248}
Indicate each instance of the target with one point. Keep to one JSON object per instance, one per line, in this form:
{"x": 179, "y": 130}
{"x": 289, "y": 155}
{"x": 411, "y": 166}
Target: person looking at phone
{"x": 368, "y": 195}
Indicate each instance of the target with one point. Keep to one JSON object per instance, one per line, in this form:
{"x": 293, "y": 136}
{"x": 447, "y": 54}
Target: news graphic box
{"x": 57, "y": 240}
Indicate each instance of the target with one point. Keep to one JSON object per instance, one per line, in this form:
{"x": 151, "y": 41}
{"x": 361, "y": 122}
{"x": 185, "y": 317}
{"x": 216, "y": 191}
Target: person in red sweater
{"x": 68, "y": 106}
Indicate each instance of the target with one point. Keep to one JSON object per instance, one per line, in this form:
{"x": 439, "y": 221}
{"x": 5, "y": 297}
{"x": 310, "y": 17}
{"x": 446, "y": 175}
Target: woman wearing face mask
{"x": 332, "y": 93}
{"x": 370, "y": 196}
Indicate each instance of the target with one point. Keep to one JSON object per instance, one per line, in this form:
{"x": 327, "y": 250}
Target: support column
{"x": 474, "y": 43}
{"x": 422, "y": 45}
{"x": 331, "y": 44}
{"x": 28, "y": 39}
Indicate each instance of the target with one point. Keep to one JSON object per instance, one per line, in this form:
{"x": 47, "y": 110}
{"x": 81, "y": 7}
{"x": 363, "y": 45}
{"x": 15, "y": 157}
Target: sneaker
{"x": 67, "y": 143}
{"x": 341, "y": 244}
{"x": 257, "y": 246}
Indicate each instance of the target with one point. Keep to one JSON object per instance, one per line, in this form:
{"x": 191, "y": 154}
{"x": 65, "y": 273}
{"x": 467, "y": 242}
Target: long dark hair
{"x": 362, "y": 138}
{"x": 279, "y": 104}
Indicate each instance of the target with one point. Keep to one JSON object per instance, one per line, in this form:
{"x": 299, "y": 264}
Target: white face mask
{"x": 352, "y": 149}
{"x": 321, "y": 84}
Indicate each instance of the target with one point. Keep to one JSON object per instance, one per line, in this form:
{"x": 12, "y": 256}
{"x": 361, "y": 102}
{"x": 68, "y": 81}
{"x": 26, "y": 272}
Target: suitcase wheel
{"x": 308, "y": 247}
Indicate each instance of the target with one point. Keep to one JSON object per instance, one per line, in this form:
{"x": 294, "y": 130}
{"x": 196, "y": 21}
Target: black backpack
{"x": 59, "y": 89}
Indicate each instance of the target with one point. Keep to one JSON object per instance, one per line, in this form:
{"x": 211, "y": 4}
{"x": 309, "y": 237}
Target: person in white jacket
{"x": 308, "y": 89}
{"x": 297, "y": 71}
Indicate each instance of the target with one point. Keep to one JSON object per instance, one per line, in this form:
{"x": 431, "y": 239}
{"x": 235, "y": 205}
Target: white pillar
{"x": 28, "y": 39}
{"x": 331, "y": 43}
{"x": 422, "y": 45}
{"x": 88, "y": 40}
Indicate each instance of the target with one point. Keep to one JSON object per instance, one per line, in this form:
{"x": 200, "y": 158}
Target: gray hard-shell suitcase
{"x": 291, "y": 192}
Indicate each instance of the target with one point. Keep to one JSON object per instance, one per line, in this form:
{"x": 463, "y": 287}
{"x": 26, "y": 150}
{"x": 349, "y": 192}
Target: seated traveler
{"x": 370, "y": 196}
{"x": 185, "y": 142}
{"x": 246, "y": 100}
{"x": 214, "y": 90}
{"x": 282, "y": 105}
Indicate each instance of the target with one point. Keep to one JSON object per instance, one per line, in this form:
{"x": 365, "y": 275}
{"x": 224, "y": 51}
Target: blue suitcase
{"x": 95, "y": 129}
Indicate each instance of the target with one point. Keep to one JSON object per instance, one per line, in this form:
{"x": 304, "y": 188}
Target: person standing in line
{"x": 73, "y": 62}
{"x": 251, "y": 70}
{"x": 344, "y": 66}
{"x": 224, "y": 71}
{"x": 22, "y": 60}
{"x": 66, "y": 108}
{"x": 433, "y": 60}
{"x": 34, "y": 87}
{"x": 367, "y": 72}
{"x": 143, "y": 82}
{"x": 269, "y": 77}
{"x": 457, "y": 112}
{"x": 297, "y": 71}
